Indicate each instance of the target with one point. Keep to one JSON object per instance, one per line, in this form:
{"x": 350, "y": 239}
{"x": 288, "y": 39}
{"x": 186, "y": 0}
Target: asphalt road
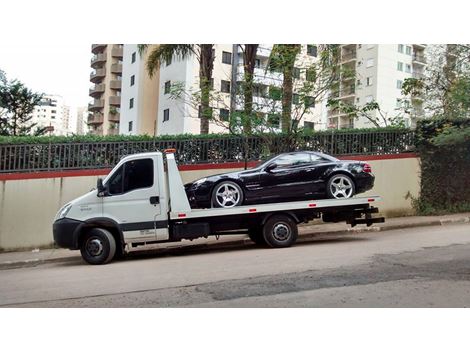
{"x": 416, "y": 267}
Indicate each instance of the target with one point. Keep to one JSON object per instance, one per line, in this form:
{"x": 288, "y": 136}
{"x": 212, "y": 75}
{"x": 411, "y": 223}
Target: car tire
{"x": 98, "y": 246}
{"x": 232, "y": 198}
{"x": 280, "y": 231}
{"x": 256, "y": 235}
{"x": 340, "y": 186}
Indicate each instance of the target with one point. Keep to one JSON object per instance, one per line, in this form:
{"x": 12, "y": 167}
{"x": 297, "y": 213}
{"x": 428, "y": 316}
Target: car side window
{"x": 132, "y": 175}
{"x": 294, "y": 159}
{"x": 317, "y": 159}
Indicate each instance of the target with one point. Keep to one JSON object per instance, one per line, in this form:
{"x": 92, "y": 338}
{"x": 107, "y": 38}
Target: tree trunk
{"x": 206, "y": 66}
{"x": 249, "y": 62}
{"x": 449, "y": 76}
{"x": 289, "y": 53}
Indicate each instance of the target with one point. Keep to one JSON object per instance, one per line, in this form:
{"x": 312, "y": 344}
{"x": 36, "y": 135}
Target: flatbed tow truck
{"x": 142, "y": 202}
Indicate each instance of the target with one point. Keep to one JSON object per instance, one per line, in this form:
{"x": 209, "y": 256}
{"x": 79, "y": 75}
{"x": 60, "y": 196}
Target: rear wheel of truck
{"x": 256, "y": 235}
{"x": 280, "y": 231}
{"x": 98, "y": 246}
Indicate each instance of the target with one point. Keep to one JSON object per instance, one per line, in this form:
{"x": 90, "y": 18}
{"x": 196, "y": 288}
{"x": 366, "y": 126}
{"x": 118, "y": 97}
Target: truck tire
{"x": 280, "y": 231}
{"x": 256, "y": 235}
{"x": 98, "y": 246}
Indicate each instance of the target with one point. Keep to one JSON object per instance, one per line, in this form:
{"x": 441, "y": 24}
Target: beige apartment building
{"x": 376, "y": 72}
{"x": 106, "y": 76}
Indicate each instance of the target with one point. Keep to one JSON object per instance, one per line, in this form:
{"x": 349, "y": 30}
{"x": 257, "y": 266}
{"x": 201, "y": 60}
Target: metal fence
{"x": 70, "y": 156}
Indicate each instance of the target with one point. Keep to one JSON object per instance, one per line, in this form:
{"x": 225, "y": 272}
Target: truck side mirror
{"x": 100, "y": 187}
{"x": 270, "y": 167}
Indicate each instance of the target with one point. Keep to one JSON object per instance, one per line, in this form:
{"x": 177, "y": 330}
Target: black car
{"x": 287, "y": 177}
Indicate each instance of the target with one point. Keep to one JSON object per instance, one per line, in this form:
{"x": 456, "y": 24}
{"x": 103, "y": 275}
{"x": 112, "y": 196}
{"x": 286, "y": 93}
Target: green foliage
{"x": 444, "y": 148}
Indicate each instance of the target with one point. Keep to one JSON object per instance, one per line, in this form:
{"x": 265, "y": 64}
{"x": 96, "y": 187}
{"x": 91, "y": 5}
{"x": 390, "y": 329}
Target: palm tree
{"x": 249, "y": 62}
{"x": 205, "y": 56}
{"x": 282, "y": 59}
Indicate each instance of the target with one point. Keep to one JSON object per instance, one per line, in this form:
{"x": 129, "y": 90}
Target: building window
{"x": 132, "y": 80}
{"x": 408, "y": 50}
{"x": 225, "y": 86}
{"x": 309, "y": 102}
{"x": 311, "y": 75}
{"x": 312, "y": 50}
{"x": 166, "y": 115}
{"x": 368, "y": 81}
{"x": 52, "y": 116}
{"x": 400, "y": 48}
{"x": 295, "y": 99}
{"x": 131, "y": 103}
{"x": 398, "y": 105}
{"x": 358, "y": 83}
{"x": 400, "y": 66}
{"x": 275, "y": 93}
{"x": 274, "y": 120}
{"x": 53, "y": 111}
{"x": 167, "y": 87}
{"x": 130, "y": 126}
{"x": 224, "y": 114}
{"x": 133, "y": 57}
{"x": 226, "y": 57}
{"x": 399, "y": 84}
{"x": 370, "y": 62}
{"x": 408, "y": 68}
{"x": 296, "y": 72}
{"x": 257, "y": 63}
{"x": 308, "y": 125}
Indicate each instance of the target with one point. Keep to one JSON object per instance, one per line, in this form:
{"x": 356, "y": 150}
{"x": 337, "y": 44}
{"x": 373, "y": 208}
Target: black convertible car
{"x": 287, "y": 177}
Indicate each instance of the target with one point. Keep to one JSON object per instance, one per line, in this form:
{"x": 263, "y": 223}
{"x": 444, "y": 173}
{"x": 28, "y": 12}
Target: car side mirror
{"x": 100, "y": 187}
{"x": 270, "y": 167}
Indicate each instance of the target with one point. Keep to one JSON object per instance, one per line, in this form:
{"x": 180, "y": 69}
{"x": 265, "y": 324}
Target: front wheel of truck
{"x": 98, "y": 246}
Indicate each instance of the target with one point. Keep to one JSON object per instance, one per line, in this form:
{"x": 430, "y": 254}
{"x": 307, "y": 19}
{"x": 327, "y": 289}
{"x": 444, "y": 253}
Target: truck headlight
{"x": 63, "y": 211}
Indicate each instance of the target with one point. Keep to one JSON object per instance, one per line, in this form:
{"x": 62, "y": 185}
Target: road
{"x": 416, "y": 267}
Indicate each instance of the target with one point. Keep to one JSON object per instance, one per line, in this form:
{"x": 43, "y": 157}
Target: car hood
{"x": 235, "y": 175}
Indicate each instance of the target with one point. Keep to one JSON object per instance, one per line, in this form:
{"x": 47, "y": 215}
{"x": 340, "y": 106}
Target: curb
{"x": 240, "y": 243}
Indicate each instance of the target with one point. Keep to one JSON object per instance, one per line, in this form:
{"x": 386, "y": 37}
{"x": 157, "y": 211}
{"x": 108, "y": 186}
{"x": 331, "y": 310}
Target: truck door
{"x": 132, "y": 200}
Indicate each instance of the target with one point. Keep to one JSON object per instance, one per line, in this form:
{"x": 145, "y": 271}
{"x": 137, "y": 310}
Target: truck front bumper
{"x": 65, "y": 233}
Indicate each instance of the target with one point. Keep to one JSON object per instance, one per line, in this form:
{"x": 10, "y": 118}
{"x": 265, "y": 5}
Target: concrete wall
{"x": 28, "y": 206}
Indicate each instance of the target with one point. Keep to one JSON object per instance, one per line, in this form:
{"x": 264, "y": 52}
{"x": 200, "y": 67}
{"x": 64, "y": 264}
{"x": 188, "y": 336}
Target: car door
{"x": 288, "y": 179}
{"x": 131, "y": 199}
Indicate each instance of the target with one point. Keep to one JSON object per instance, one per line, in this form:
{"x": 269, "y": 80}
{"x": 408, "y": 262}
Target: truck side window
{"x": 132, "y": 175}
{"x": 138, "y": 174}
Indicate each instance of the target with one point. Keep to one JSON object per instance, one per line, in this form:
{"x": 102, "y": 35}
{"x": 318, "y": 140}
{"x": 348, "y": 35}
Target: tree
{"x": 249, "y": 63}
{"x": 17, "y": 103}
{"x": 205, "y": 56}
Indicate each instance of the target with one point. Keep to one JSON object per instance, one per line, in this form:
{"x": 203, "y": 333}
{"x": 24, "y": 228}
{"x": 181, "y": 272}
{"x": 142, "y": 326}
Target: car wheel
{"x": 280, "y": 231}
{"x": 340, "y": 187}
{"x": 98, "y": 246}
{"x": 227, "y": 194}
{"x": 256, "y": 235}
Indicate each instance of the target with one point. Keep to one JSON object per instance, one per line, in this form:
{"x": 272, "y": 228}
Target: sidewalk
{"x": 313, "y": 230}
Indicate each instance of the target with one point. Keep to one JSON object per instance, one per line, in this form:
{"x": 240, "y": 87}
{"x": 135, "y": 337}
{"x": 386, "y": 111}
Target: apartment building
{"x": 82, "y": 120}
{"x": 106, "y": 76}
{"x": 54, "y": 114}
{"x": 178, "y": 116}
{"x": 376, "y": 72}
{"x": 139, "y": 98}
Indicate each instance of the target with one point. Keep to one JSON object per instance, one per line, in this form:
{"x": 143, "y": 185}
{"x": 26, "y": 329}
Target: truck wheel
{"x": 280, "y": 231}
{"x": 256, "y": 235}
{"x": 98, "y": 246}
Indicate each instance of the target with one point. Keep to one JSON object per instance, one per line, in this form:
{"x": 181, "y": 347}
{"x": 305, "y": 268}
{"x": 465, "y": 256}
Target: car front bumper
{"x": 66, "y": 232}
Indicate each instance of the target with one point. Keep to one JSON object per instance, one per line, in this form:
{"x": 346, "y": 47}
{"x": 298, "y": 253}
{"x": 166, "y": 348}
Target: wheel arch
{"x": 290, "y": 214}
{"x": 105, "y": 223}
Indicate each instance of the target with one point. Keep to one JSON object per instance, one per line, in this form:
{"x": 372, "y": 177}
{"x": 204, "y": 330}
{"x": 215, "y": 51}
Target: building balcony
{"x": 348, "y": 92}
{"x": 113, "y": 131}
{"x": 115, "y": 84}
{"x": 419, "y": 59}
{"x": 115, "y": 100}
{"x": 114, "y": 117}
{"x": 263, "y": 51}
{"x": 97, "y": 104}
{"x": 116, "y": 68}
{"x": 418, "y": 75}
{"x": 98, "y": 60}
{"x": 97, "y": 75}
{"x": 117, "y": 51}
{"x": 348, "y": 57}
{"x": 419, "y": 46}
{"x": 95, "y": 119}
{"x": 96, "y": 91}
{"x": 98, "y": 48}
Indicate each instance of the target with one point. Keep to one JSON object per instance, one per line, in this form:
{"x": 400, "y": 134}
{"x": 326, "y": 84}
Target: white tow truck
{"x": 142, "y": 201}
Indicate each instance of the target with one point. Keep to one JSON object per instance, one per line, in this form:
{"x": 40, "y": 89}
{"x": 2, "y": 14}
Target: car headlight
{"x": 198, "y": 182}
{"x": 63, "y": 211}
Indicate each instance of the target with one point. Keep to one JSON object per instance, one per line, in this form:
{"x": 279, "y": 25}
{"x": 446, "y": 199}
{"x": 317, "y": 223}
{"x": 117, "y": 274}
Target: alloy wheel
{"x": 341, "y": 187}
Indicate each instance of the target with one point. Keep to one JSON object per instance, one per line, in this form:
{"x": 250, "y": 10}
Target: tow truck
{"x": 142, "y": 202}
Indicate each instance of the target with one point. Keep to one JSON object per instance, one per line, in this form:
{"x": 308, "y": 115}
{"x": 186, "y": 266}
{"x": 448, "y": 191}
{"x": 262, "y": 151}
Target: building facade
{"x": 139, "y": 98}
{"x": 54, "y": 114}
{"x": 106, "y": 76}
{"x": 375, "y": 73}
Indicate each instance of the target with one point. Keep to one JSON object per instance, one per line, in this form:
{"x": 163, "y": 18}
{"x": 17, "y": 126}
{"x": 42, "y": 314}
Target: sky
{"x": 62, "y": 69}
